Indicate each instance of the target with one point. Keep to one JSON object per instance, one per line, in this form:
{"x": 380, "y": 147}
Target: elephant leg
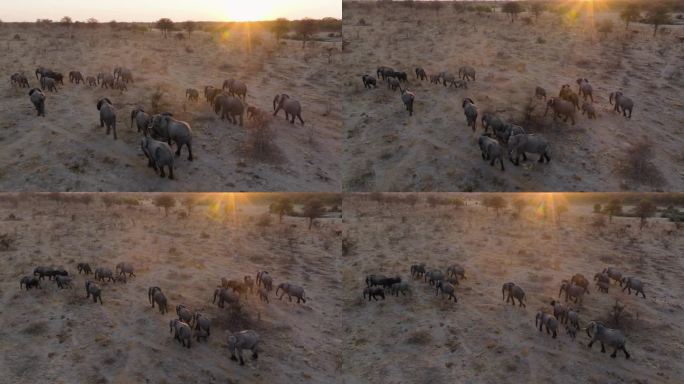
{"x": 501, "y": 162}
{"x": 541, "y": 158}
{"x": 492, "y": 162}
{"x": 625, "y": 351}
{"x": 603, "y": 348}
{"x": 524, "y": 156}
{"x": 299, "y": 115}
{"x": 232, "y": 356}
{"x": 178, "y": 151}
{"x": 190, "y": 158}
{"x": 591, "y": 343}
{"x": 171, "y": 173}
{"x": 114, "y": 131}
{"x": 293, "y": 119}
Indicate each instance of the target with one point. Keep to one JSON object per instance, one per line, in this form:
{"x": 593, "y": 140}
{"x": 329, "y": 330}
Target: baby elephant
{"x": 369, "y": 81}
{"x": 446, "y": 289}
{"x": 38, "y": 99}
{"x": 291, "y": 290}
{"x": 547, "y": 320}
{"x": 202, "y": 323}
{"x": 374, "y": 292}
{"x": 491, "y": 150}
{"x": 589, "y": 110}
{"x": 243, "y": 340}
{"x": 94, "y": 290}
{"x": 514, "y": 292}
{"x": 85, "y": 268}
{"x": 263, "y": 294}
{"x": 635, "y": 284}
{"x": 155, "y": 295}
{"x": 402, "y": 287}
{"x": 29, "y": 282}
{"x": 124, "y": 268}
{"x": 183, "y": 333}
{"x": 63, "y": 281}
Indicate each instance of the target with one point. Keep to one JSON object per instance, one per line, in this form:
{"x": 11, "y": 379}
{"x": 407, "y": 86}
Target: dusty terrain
{"x": 421, "y": 338}
{"x": 59, "y": 336}
{"x": 386, "y": 150}
{"x": 68, "y": 151}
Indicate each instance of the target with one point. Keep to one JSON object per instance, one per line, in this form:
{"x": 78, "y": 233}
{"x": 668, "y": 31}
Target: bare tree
{"x": 313, "y": 209}
{"x": 279, "y": 28}
{"x": 305, "y": 29}
{"x": 658, "y": 15}
{"x": 614, "y": 207}
{"x": 644, "y": 210}
{"x": 512, "y": 8}
{"x": 282, "y": 207}
{"x": 189, "y": 26}
{"x": 165, "y": 25}
{"x": 165, "y": 201}
{"x": 495, "y": 202}
{"x": 630, "y": 13}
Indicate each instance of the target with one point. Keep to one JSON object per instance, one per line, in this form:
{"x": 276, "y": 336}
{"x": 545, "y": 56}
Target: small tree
{"x": 279, "y": 28}
{"x": 282, "y": 207}
{"x": 189, "y": 26}
{"x": 597, "y": 208}
{"x": 560, "y": 209}
{"x": 495, "y": 202}
{"x": 165, "y": 201}
{"x": 66, "y": 21}
{"x": 658, "y": 15}
{"x": 630, "y": 13}
{"x": 537, "y": 9}
{"x": 512, "y": 8}
{"x": 305, "y": 29}
{"x": 165, "y": 25}
{"x": 519, "y": 204}
{"x": 644, "y": 210}
{"x": 189, "y": 203}
{"x": 313, "y": 209}
{"x": 614, "y": 207}
{"x": 605, "y": 27}
{"x": 92, "y": 22}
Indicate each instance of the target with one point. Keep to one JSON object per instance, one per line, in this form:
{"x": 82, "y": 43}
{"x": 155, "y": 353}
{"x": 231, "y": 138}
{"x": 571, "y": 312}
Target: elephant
{"x": 374, "y": 280}
{"x": 504, "y": 133}
{"x": 48, "y": 83}
{"x": 614, "y": 274}
{"x": 392, "y": 83}
{"x": 589, "y": 110}
{"x": 63, "y": 281}
{"x": 447, "y": 289}
{"x": 489, "y": 120}
{"x": 229, "y": 107}
{"x": 291, "y": 290}
{"x": 289, "y": 105}
{"x": 560, "y": 312}
{"x": 612, "y": 337}
{"x": 369, "y": 81}
{"x": 192, "y": 94}
{"x": 85, "y": 268}
{"x": 580, "y": 280}
{"x": 125, "y": 267}
{"x": 107, "y": 115}
{"x": 470, "y": 111}
{"x": 20, "y": 80}
{"x": 540, "y": 92}
{"x": 41, "y": 272}
{"x": 237, "y": 286}
{"x": 155, "y": 295}
{"x": 447, "y": 78}
{"x": 141, "y": 118}
{"x": 514, "y": 292}
{"x": 184, "y": 314}
{"x": 434, "y": 79}
{"x": 202, "y": 323}
{"x": 29, "y": 282}
{"x": 584, "y": 89}
{"x": 120, "y": 85}
{"x": 56, "y": 76}
{"x": 91, "y": 81}
{"x": 566, "y": 93}
{"x": 383, "y": 71}
{"x": 38, "y": 99}
{"x": 524, "y": 143}
{"x": 94, "y": 290}
{"x": 41, "y": 71}
{"x": 210, "y": 93}
{"x": 572, "y": 291}
{"x": 264, "y": 278}
{"x": 402, "y": 287}
{"x": 249, "y": 283}
{"x": 263, "y": 294}
{"x": 387, "y": 282}
{"x": 632, "y": 283}
{"x": 75, "y": 77}
{"x": 182, "y": 333}
{"x": 224, "y": 295}
{"x": 456, "y": 270}
{"x": 418, "y": 270}
{"x": 243, "y": 340}
{"x": 103, "y": 273}
{"x": 125, "y": 75}
{"x": 159, "y": 155}
{"x": 236, "y": 88}
{"x": 420, "y": 74}
{"x": 170, "y": 129}
{"x": 622, "y": 102}
{"x": 545, "y": 319}
{"x": 491, "y": 150}
{"x": 374, "y": 293}
{"x": 561, "y": 107}
{"x": 106, "y": 80}
{"x": 401, "y": 76}
{"x": 408, "y": 98}
{"x": 466, "y": 72}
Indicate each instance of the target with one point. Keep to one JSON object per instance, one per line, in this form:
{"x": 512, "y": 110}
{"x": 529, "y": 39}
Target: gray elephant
{"x": 514, "y": 292}
{"x": 612, "y": 337}
{"x": 172, "y": 130}
{"x": 243, "y": 340}
{"x": 291, "y": 290}
{"x": 408, "y": 98}
{"x": 75, "y": 77}
{"x": 470, "y": 111}
{"x": 263, "y": 278}
{"x": 40, "y": 71}
{"x": 527, "y": 143}
{"x": 94, "y": 290}
{"x": 155, "y": 295}
{"x": 106, "y": 80}
{"x": 182, "y": 332}
{"x": 589, "y": 110}
{"x": 447, "y": 78}
{"x": 490, "y": 120}
{"x": 107, "y": 115}
{"x": 48, "y": 83}
{"x": 202, "y": 323}
{"x": 491, "y": 150}
{"x": 566, "y": 93}
{"x": 192, "y": 94}
{"x": 210, "y": 93}
{"x": 585, "y": 89}
{"x": 141, "y": 118}
{"x": 622, "y": 102}
{"x": 384, "y": 72}
{"x": 420, "y": 74}
{"x": 540, "y": 92}
{"x": 572, "y": 291}
{"x": 103, "y": 273}
{"x": 63, "y": 281}
{"x": 228, "y": 107}
{"x": 446, "y": 289}
{"x": 159, "y": 155}
{"x": 561, "y": 108}
{"x": 38, "y": 99}
{"x": 369, "y": 81}
{"x": 29, "y": 282}
{"x": 236, "y": 88}
{"x": 466, "y": 72}
{"x": 373, "y": 293}
{"x": 85, "y": 268}
{"x": 545, "y": 319}
{"x": 225, "y": 296}
{"x": 289, "y": 105}
{"x": 125, "y": 267}
{"x": 125, "y": 75}
{"x": 91, "y": 81}
{"x": 393, "y": 83}
{"x": 504, "y": 133}
{"x": 184, "y": 314}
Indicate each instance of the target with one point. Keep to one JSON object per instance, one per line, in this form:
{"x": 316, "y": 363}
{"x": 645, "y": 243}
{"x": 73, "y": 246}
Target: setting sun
{"x": 237, "y": 10}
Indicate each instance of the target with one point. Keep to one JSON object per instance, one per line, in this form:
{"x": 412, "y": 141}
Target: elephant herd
{"x": 444, "y": 282}
{"x": 575, "y": 288}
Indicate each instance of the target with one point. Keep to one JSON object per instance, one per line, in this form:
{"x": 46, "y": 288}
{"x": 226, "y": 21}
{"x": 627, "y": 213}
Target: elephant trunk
{"x": 610, "y": 99}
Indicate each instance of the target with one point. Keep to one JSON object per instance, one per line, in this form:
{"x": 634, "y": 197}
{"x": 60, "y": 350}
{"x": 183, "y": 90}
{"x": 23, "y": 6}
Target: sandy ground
{"x": 68, "y": 151}
{"x": 386, "y": 150}
{"x": 421, "y": 338}
{"x": 58, "y": 336}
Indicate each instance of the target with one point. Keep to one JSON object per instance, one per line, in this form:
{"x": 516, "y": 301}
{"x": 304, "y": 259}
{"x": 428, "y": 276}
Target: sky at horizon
{"x": 152, "y": 10}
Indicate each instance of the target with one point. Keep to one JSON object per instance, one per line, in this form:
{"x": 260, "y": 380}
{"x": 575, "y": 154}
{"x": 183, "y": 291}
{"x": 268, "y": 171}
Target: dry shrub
{"x": 6, "y": 242}
{"x": 158, "y": 103}
{"x": 637, "y": 164}
{"x": 420, "y": 338}
{"x": 260, "y": 138}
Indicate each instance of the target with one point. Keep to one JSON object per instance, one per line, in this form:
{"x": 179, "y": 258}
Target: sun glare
{"x": 254, "y": 10}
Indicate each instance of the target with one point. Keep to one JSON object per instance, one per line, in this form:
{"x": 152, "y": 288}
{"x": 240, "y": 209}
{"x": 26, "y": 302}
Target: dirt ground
{"x": 386, "y": 150}
{"x": 421, "y": 338}
{"x": 59, "y": 336}
{"x": 68, "y": 151}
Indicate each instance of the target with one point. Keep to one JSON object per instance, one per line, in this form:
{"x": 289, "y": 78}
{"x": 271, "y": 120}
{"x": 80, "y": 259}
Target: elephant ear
{"x": 99, "y": 104}
{"x": 32, "y": 91}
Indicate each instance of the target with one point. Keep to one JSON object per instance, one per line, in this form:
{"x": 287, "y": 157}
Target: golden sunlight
{"x": 238, "y": 10}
